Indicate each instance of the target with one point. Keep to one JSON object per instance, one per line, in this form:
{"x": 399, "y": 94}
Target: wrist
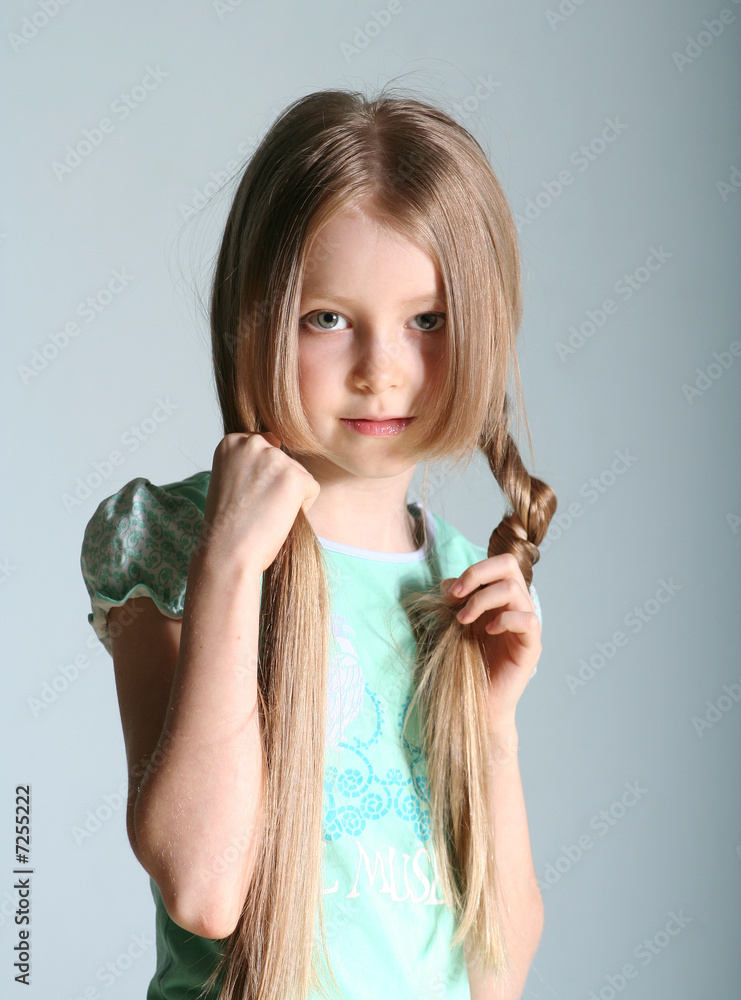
{"x": 503, "y": 741}
{"x": 217, "y": 566}
{"x": 502, "y": 723}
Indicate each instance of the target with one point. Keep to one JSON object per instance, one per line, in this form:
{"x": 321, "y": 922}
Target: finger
{"x": 524, "y": 623}
{"x": 487, "y": 571}
{"x": 505, "y": 594}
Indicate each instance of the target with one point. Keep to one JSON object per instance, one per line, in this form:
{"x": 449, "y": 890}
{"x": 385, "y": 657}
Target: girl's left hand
{"x": 502, "y": 614}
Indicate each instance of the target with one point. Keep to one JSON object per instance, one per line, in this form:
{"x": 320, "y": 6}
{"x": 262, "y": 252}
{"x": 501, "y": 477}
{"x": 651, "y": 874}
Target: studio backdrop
{"x": 613, "y": 128}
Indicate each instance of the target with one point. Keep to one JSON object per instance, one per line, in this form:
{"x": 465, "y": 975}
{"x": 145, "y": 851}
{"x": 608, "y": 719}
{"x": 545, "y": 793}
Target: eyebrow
{"x": 323, "y": 294}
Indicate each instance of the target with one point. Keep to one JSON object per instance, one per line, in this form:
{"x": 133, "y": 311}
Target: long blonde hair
{"x": 421, "y": 174}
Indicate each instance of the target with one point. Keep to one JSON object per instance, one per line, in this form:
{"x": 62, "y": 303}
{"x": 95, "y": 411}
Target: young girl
{"x": 317, "y": 679}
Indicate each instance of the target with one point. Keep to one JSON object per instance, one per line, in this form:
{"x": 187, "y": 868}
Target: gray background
{"x": 659, "y": 713}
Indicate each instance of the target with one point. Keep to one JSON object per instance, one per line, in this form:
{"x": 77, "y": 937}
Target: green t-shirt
{"x": 388, "y": 927}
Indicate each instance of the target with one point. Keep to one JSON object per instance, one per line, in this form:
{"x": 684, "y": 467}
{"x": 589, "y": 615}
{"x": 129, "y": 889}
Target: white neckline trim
{"x": 397, "y": 557}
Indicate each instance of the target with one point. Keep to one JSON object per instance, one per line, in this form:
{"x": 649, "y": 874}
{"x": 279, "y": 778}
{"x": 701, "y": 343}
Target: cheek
{"x": 313, "y": 375}
{"x": 308, "y": 388}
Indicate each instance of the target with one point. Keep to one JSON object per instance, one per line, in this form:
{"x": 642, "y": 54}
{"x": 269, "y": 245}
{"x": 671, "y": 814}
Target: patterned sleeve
{"x": 139, "y": 542}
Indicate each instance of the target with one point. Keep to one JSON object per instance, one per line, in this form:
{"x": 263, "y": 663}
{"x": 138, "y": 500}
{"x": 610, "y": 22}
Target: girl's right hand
{"x": 254, "y": 495}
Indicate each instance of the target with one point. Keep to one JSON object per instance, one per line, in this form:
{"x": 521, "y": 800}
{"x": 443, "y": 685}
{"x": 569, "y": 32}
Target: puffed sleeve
{"x": 139, "y": 543}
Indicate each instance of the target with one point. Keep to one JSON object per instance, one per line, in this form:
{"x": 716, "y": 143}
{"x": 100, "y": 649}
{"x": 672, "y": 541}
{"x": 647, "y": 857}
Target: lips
{"x": 379, "y": 427}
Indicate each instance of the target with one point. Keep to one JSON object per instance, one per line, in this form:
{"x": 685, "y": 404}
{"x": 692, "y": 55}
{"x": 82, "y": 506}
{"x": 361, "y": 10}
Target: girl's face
{"x": 371, "y": 341}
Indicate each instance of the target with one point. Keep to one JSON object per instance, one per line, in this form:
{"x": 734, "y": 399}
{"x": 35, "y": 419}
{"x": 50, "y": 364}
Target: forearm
{"x": 198, "y": 809}
{"x": 520, "y": 898}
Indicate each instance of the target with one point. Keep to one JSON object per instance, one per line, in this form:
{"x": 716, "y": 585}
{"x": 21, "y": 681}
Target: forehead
{"x": 353, "y": 253}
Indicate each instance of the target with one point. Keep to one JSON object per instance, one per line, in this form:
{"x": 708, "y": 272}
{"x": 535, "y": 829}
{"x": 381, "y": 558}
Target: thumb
{"x": 271, "y": 438}
{"x": 311, "y": 497}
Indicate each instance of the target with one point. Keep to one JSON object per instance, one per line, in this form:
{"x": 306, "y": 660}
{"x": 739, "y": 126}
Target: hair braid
{"x": 533, "y": 502}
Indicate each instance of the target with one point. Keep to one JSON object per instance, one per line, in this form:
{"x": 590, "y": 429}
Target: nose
{"x": 378, "y": 366}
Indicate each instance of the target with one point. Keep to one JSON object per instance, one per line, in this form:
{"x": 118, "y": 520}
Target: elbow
{"x": 204, "y": 904}
{"x": 205, "y": 907}
{"x": 205, "y": 918}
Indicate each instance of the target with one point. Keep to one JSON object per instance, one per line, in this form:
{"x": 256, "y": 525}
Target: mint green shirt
{"x": 388, "y": 927}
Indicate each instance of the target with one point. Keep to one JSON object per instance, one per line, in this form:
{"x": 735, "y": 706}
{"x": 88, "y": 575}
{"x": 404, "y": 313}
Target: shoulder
{"x": 141, "y": 503}
{"x": 139, "y": 542}
{"x": 194, "y": 489}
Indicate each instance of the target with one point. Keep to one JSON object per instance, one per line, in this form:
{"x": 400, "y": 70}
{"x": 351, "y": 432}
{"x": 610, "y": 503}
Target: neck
{"x": 368, "y": 514}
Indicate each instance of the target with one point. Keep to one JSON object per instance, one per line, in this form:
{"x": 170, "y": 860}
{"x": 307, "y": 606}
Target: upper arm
{"x": 145, "y": 645}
